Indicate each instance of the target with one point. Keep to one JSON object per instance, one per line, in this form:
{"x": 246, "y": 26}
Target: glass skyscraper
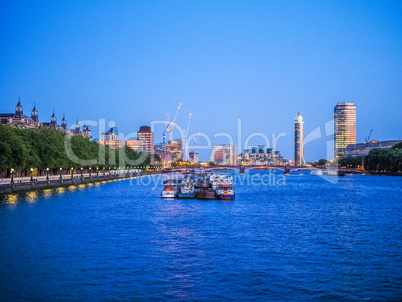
{"x": 345, "y": 127}
{"x": 299, "y": 140}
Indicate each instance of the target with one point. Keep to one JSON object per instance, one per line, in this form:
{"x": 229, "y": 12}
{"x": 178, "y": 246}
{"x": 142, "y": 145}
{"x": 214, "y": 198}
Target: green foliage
{"x": 384, "y": 159}
{"x": 321, "y": 162}
{"x": 44, "y": 147}
{"x": 397, "y": 146}
{"x": 351, "y": 161}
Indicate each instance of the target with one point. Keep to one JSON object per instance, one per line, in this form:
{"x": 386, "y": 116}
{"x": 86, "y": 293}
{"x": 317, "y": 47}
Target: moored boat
{"x": 335, "y": 173}
{"x": 205, "y": 193}
{"x": 316, "y": 172}
{"x": 225, "y": 191}
{"x": 169, "y": 191}
{"x": 186, "y": 189}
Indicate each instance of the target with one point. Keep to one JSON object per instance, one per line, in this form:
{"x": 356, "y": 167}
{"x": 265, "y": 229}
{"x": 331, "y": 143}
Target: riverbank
{"x": 39, "y": 183}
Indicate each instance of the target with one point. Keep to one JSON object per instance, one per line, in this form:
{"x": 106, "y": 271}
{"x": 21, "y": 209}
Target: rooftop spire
{"x": 19, "y": 102}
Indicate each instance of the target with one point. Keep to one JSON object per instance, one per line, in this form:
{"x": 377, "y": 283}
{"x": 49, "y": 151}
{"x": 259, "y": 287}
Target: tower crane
{"x": 169, "y": 126}
{"x": 185, "y": 138}
{"x": 366, "y": 140}
{"x": 196, "y": 141}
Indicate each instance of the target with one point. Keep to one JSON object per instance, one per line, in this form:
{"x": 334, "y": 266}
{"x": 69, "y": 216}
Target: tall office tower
{"x": 299, "y": 140}
{"x": 345, "y": 127}
{"x": 146, "y": 136}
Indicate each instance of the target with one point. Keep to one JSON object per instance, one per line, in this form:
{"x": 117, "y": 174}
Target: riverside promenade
{"x": 17, "y": 184}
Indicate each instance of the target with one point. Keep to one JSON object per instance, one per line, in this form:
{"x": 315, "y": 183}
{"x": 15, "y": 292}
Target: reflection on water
{"x": 61, "y": 190}
{"x": 11, "y": 200}
{"x": 32, "y": 196}
{"x": 47, "y": 193}
{"x": 81, "y": 187}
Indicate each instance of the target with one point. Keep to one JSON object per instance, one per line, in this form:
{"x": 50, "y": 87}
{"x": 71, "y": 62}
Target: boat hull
{"x": 227, "y": 197}
{"x": 205, "y": 194}
{"x": 187, "y": 196}
{"x": 169, "y": 194}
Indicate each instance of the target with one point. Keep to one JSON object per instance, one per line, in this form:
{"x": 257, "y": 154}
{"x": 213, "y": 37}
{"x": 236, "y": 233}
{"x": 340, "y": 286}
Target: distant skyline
{"x": 261, "y": 61}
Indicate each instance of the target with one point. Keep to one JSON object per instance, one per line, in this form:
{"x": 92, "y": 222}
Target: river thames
{"x": 300, "y": 238}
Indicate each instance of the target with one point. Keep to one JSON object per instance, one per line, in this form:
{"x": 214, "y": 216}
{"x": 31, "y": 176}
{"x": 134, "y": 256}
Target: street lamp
{"x": 47, "y": 173}
{"x": 32, "y": 174}
{"x": 90, "y": 172}
{"x": 97, "y": 172}
{"x": 12, "y": 175}
{"x": 82, "y": 172}
{"x": 72, "y": 173}
{"x": 60, "y": 173}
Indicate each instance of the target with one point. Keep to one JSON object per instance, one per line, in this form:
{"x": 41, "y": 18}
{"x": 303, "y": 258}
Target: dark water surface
{"x": 306, "y": 240}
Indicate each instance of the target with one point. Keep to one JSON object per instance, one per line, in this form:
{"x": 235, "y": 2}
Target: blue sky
{"x": 261, "y": 61}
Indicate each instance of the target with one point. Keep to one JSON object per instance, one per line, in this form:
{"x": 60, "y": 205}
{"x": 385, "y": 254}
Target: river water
{"x": 296, "y": 237}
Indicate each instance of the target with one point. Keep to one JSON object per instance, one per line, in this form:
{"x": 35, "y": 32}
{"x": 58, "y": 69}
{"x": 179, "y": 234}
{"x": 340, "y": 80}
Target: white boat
{"x": 186, "y": 189}
{"x": 334, "y": 172}
{"x": 222, "y": 179}
{"x": 169, "y": 191}
{"x": 225, "y": 191}
{"x": 316, "y": 172}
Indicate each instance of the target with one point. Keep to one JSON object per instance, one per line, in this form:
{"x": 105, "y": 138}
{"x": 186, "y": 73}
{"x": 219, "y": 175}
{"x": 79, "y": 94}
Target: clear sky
{"x": 261, "y": 61}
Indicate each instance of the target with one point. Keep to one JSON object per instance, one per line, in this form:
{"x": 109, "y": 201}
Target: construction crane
{"x": 196, "y": 141}
{"x": 169, "y": 126}
{"x": 366, "y": 140}
{"x": 185, "y": 138}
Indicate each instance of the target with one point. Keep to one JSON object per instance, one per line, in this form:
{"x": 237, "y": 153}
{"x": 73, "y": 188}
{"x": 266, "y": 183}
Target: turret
{"x": 53, "y": 120}
{"x": 86, "y": 132}
{"x": 77, "y": 128}
{"x": 18, "y": 110}
{"x": 64, "y": 123}
{"x": 34, "y": 115}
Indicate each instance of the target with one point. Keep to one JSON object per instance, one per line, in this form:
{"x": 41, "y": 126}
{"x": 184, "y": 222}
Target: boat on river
{"x": 170, "y": 191}
{"x": 217, "y": 180}
{"x": 186, "y": 189}
{"x": 335, "y": 173}
{"x": 316, "y": 172}
{"x": 205, "y": 193}
{"x": 225, "y": 191}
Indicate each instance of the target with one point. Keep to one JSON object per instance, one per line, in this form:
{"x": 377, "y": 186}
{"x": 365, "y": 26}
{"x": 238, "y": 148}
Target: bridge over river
{"x": 259, "y": 167}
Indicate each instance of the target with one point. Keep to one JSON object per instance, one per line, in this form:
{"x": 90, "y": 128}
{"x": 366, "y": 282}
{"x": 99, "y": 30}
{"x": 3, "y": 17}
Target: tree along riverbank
{"x": 44, "y": 150}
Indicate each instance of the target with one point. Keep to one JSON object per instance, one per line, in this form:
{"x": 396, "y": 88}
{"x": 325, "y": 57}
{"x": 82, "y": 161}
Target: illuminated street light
{"x": 12, "y": 175}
